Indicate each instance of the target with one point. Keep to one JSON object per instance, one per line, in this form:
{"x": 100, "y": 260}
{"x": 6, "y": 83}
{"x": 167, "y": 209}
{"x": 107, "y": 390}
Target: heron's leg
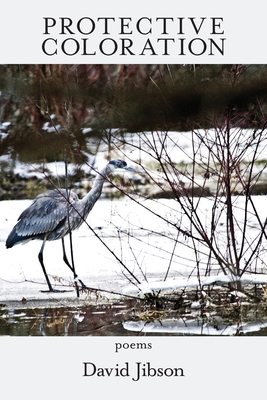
{"x": 65, "y": 259}
{"x": 41, "y": 260}
{"x": 72, "y": 267}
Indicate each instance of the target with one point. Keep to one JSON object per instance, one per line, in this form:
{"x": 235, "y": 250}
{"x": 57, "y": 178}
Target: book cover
{"x": 133, "y": 171}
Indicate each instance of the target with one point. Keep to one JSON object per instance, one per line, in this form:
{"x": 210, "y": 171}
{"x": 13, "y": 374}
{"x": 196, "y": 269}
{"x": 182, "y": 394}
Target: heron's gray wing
{"x": 46, "y": 212}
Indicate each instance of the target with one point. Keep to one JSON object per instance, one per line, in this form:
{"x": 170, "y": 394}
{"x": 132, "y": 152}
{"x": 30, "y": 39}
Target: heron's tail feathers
{"x": 14, "y": 238}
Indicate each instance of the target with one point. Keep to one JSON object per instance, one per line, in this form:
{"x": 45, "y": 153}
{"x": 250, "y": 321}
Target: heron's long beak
{"x": 132, "y": 170}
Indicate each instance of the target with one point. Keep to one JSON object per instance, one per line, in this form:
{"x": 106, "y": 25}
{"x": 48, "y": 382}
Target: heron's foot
{"x": 82, "y": 288}
{"x": 82, "y": 284}
{"x": 78, "y": 281}
{"x": 79, "y": 286}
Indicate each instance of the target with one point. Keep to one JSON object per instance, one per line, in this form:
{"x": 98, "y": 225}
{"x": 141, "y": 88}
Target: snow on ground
{"x": 144, "y": 243}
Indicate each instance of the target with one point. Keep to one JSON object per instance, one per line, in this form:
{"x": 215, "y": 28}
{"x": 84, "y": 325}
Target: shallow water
{"x": 63, "y": 321}
{"x": 123, "y": 318}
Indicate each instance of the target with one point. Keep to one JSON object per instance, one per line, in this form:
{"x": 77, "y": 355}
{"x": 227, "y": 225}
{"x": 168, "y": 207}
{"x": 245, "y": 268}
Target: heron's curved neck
{"x": 99, "y": 181}
{"x": 93, "y": 195}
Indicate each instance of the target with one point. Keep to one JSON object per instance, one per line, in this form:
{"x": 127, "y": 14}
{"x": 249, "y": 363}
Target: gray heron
{"x": 56, "y": 213}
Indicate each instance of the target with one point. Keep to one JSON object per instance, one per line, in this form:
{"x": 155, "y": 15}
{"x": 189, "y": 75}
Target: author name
{"x": 134, "y": 371}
